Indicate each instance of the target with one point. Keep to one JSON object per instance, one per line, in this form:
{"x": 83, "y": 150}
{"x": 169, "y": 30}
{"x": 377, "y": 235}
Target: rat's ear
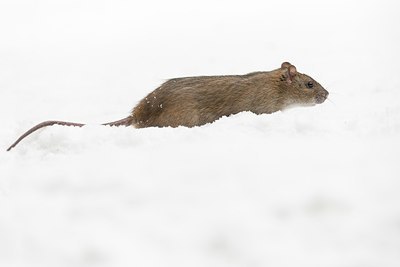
{"x": 285, "y": 65}
{"x": 291, "y": 72}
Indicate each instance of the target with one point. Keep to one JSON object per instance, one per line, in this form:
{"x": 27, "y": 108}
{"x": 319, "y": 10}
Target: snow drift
{"x": 313, "y": 186}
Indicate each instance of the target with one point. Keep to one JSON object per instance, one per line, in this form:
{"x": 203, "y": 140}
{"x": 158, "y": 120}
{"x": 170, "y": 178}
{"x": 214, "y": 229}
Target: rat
{"x": 195, "y": 101}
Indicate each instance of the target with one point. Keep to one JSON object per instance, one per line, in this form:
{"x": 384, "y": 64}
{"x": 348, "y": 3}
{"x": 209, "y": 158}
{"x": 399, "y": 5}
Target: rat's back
{"x": 194, "y": 101}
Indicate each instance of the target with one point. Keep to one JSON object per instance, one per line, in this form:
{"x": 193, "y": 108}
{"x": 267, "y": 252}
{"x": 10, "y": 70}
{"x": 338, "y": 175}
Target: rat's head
{"x": 300, "y": 89}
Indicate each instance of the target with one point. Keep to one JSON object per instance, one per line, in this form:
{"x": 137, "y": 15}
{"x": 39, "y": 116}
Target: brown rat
{"x": 194, "y": 101}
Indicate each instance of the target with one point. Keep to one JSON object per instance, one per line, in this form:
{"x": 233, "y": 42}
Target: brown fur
{"x": 195, "y": 101}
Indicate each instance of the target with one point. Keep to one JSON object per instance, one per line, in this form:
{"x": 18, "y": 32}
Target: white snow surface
{"x": 316, "y": 186}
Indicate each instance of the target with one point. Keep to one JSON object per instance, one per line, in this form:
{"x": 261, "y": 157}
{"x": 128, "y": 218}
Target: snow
{"x": 315, "y": 186}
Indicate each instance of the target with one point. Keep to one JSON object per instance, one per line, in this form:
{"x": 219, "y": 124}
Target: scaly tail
{"x": 124, "y": 122}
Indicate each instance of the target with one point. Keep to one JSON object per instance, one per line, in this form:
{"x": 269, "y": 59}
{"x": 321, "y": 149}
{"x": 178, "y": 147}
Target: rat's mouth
{"x": 320, "y": 98}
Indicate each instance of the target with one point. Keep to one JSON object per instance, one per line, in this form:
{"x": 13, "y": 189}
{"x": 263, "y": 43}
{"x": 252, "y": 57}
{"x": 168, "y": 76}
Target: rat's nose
{"x": 321, "y": 96}
{"x": 326, "y": 93}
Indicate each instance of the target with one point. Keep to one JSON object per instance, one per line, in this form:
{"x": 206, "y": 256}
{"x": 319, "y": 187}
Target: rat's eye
{"x": 310, "y": 84}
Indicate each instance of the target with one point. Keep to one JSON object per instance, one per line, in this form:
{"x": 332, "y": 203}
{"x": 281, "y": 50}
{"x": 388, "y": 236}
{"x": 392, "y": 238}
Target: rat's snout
{"x": 321, "y": 96}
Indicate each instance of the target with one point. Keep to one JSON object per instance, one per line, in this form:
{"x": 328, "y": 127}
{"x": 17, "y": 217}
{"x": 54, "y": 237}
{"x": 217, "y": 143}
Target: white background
{"x": 308, "y": 187}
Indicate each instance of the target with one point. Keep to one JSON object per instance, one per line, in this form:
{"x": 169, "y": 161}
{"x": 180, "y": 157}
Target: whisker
{"x": 331, "y": 101}
{"x": 334, "y": 93}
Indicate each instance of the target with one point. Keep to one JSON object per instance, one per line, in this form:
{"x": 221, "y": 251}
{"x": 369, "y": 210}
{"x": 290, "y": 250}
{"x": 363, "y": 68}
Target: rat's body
{"x": 194, "y": 101}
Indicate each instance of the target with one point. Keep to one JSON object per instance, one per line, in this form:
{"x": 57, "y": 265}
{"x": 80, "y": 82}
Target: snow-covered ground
{"x": 316, "y": 186}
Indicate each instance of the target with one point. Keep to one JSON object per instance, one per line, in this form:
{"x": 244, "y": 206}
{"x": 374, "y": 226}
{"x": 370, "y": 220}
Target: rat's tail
{"x": 124, "y": 122}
